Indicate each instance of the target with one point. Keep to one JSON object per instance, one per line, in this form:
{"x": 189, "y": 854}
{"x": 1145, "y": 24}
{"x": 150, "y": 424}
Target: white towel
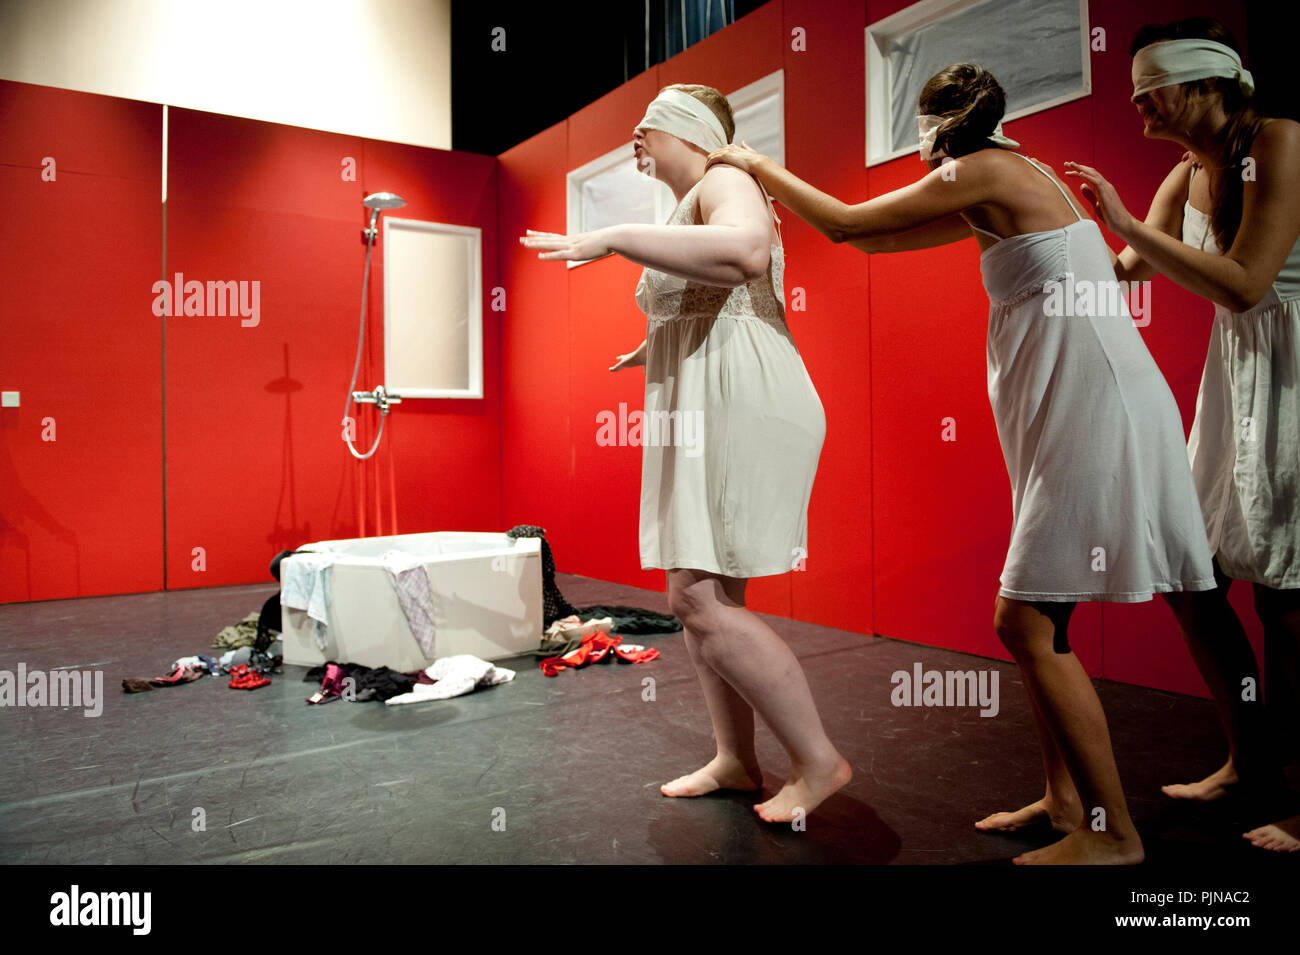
{"x": 456, "y": 676}
{"x": 305, "y": 585}
{"x": 410, "y": 580}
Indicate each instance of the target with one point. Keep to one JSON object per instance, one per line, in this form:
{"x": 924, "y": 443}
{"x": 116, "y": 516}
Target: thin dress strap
{"x": 1068, "y": 200}
{"x": 771, "y": 205}
{"x": 1188, "y": 205}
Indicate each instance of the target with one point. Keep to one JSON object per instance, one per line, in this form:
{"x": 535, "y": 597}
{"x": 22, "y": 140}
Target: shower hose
{"x": 361, "y": 337}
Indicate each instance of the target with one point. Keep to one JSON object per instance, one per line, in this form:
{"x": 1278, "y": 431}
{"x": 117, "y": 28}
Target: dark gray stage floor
{"x": 572, "y": 764}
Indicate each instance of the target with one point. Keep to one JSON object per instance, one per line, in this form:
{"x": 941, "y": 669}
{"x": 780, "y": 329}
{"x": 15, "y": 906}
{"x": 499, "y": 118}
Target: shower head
{"x": 383, "y": 200}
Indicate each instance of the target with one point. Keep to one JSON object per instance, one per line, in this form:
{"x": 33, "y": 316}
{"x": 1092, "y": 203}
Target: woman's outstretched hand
{"x": 1103, "y": 198}
{"x": 580, "y": 247}
{"x": 742, "y": 156}
{"x": 630, "y": 360}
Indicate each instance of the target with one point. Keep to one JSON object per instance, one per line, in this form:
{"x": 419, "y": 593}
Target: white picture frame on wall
{"x": 1010, "y": 38}
{"x": 433, "y": 309}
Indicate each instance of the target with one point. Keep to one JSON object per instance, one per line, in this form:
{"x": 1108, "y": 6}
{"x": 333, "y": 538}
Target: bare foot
{"x": 1062, "y": 818}
{"x": 1085, "y": 847}
{"x": 722, "y": 772}
{"x": 805, "y": 790}
{"x": 1281, "y": 836}
{"x": 1212, "y": 787}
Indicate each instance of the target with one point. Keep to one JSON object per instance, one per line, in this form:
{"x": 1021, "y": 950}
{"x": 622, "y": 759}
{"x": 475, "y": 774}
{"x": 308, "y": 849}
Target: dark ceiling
{"x": 558, "y": 57}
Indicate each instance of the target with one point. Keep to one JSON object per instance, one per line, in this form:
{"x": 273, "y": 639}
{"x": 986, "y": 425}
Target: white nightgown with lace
{"x": 733, "y": 427}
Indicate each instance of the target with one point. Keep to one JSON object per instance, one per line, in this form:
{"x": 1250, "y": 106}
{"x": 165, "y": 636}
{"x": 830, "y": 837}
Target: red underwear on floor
{"x": 243, "y": 677}
{"x": 595, "y": 648}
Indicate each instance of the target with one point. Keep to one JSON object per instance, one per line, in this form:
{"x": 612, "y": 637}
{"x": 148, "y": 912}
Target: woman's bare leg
{"x": 1279, "y": 611}
{"x": 1223, "y": 655}
{"x": 735, "y": 766}
{"x": 736, "y": 645}
{"x": 1069, "y": 705}
{"x": 1060, "y": 805}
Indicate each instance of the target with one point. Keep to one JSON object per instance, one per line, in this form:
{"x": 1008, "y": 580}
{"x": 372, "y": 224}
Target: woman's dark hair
{"x": 1237, "y": 134}
{"x": 973, "y": 103}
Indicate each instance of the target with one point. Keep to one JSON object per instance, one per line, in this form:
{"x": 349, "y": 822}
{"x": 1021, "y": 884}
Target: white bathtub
{"x": 487, "y": 599}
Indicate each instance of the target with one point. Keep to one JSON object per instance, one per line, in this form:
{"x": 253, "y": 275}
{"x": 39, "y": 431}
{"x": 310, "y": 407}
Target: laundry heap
{"x": 445, "y": 678}
{"x": 581, "y": 642}
{"x": 248, "y": 668}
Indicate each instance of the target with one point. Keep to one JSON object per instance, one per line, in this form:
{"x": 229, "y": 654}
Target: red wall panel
{"x": 824, "y": 146}
{"x": 448, "y": 450}
{"x": 255, "y": 461}
{"x": 251, "y": 452}
{"x": 81, "y": 514}
{"x": 536, "y": 367}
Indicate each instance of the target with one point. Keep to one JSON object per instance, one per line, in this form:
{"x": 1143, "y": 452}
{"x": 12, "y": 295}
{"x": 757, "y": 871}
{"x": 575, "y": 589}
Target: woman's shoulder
{"x": 997, "y": 166}
{"x": 723, "y": 182}
{"x": 1277, "y": 133}
{"x": 722, "y": 178}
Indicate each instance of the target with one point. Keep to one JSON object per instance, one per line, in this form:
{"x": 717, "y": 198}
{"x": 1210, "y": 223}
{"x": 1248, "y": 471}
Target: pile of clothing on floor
{"x": 571, "y": 642}
{"x": 251, "y": 656}
{"x": 248, "y": 669}
{"x": 445, "y": 678}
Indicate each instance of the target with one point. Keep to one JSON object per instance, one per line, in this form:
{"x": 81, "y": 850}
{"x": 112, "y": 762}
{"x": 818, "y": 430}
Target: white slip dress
{"x": 1245, "y": 442}
{"x": 732, "y": 426}
{"x": 1103, "y": 505}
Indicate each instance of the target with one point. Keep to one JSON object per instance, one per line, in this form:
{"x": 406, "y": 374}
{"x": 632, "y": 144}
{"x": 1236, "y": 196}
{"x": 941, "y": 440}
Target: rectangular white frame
{"x": 879, "y": 92}
{"x": 473, "y": 236}
{"x": 773, "y": 84}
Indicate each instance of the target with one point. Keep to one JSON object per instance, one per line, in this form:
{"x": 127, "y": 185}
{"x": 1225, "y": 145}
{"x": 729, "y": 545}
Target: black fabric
{"x": 554, "y": 606}
{"x": 632, "y": 620}
{"x": 268, "y": 622}
{"x": 275, "y": 561}
{"x": 378, "y": 683}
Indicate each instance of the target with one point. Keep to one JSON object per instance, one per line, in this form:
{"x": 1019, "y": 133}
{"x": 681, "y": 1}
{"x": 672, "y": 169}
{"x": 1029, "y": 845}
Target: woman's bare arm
{"x": 1165, "y": 214}
{"x": 730, "y": 246}
{"x": 1270, "y": 225}
{"x": 937, "y": 195}
{"x": 951, "y": 228}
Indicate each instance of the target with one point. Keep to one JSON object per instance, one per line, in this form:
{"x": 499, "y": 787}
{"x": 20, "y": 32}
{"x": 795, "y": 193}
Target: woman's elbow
{"x": 753, "y": 265}
{"x": 1244, "y": 298}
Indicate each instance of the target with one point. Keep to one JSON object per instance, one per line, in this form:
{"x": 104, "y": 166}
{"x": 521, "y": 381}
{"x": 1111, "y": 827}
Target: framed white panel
{"x": 1037, "y": 49}
{"x": 759, "y": 110}
{"x": 610, "y": 189}
{"x": 433, "y": 309}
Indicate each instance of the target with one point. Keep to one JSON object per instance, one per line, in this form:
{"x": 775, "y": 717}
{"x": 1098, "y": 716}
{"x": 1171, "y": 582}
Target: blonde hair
{"x": 713, "y": 100}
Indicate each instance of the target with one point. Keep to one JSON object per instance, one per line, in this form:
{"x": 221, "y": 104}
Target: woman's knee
{"x": 1009, "y": 627}
{"x": 697, "y": 599}
{"x": 1026, "y": 629}
{"x": 691, "y": 605}
{"x": 1197, "y": 610}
